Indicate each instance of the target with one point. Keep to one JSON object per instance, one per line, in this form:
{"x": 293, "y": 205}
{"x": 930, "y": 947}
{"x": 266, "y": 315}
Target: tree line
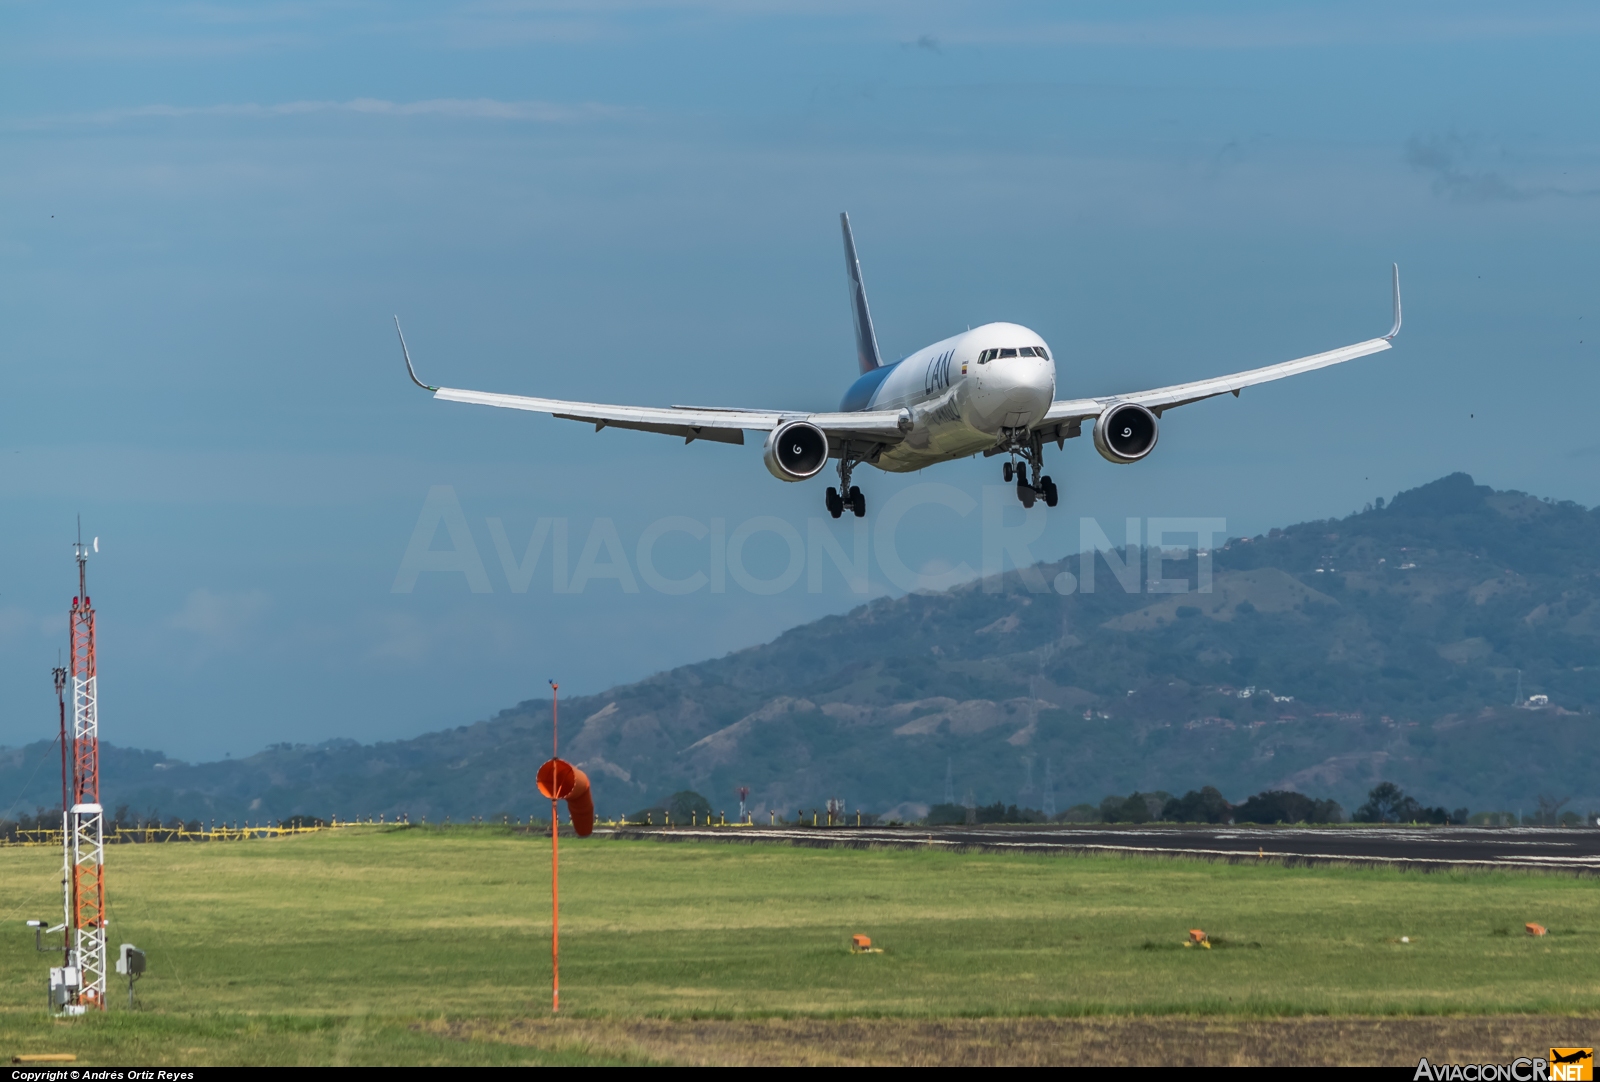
{"x": 1386, "y": 803}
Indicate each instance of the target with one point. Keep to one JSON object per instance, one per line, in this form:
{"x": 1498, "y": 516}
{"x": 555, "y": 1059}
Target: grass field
{"x": 374, "y": 946}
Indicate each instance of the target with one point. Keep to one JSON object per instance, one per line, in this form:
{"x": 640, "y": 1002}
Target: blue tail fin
{"x": 866, "y": 338}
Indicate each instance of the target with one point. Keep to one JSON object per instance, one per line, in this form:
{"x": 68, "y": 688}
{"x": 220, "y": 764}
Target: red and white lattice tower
{"x": 85, "y": 819}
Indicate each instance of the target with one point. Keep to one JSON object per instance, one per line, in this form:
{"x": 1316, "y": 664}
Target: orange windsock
{"x": 560, "y": 780}
{"x": 580, "y": 804}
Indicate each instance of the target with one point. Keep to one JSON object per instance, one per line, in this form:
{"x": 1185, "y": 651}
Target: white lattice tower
{"x": 86, "y": 818}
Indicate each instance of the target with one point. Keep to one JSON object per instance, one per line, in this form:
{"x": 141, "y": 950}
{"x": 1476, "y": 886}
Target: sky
{"x": 211, "y": 212}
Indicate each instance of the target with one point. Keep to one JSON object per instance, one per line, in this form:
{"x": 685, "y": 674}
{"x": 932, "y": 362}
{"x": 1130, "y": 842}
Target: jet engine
{"x": 1125, "y": 433}
{"x": 796, "y": 450}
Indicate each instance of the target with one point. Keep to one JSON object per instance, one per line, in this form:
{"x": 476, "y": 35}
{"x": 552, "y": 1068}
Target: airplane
{"x": 989, "y": 390}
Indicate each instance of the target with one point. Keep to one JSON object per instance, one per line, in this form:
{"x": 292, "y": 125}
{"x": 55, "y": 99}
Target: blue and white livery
{"x": 990, "y": 390}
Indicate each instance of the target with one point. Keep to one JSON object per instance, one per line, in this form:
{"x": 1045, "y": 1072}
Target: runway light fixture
{"x": 860, "y": 944}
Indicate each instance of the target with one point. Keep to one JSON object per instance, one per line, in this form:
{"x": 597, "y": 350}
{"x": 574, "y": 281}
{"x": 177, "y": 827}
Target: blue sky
{"x": 209, "y": 213}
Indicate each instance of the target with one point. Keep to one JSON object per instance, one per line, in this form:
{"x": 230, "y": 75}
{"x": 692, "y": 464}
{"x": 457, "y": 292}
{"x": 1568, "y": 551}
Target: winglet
{"x": 1396, "y": 329}
{"x": 407, "y": 354}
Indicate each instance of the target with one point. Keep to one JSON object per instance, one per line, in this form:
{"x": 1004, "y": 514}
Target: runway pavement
{"x": 1576, "y": 849}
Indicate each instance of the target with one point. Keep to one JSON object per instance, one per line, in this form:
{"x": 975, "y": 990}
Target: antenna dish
{"x": 97, "y": 544}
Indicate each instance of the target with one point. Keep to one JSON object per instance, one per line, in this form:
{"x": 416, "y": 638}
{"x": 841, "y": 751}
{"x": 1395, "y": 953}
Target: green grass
{"x": 350, "y": 946}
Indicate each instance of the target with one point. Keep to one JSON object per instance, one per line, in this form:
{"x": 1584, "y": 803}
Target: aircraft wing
{"x": 1063, "y": 417}
{"x": 690, "y": 422}
{"x": 1181, "y": 394}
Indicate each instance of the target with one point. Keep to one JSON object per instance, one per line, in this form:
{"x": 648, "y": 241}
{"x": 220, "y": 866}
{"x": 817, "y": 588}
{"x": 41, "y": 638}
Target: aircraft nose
{"x": 1024, "y": 379}
{"x": 1014, "y": 392}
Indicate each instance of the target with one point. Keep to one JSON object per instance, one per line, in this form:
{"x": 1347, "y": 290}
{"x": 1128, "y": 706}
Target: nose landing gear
{"x": 1042, "y": 487}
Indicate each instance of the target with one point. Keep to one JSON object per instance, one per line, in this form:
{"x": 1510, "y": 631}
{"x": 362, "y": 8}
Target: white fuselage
{"x": 963, "y": 393}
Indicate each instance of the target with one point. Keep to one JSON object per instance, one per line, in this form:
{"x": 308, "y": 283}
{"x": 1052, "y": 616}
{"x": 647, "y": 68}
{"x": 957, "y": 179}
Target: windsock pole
{"x": 561, "y": 781}
{"x": 555, "y": 858}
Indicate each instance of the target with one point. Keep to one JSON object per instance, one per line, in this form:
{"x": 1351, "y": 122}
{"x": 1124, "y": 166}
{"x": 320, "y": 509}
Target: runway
{"x": 1549, "y": 848}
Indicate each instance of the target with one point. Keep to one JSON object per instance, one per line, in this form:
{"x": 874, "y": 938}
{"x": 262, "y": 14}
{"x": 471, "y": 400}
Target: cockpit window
{"x": 1022, "y": 351}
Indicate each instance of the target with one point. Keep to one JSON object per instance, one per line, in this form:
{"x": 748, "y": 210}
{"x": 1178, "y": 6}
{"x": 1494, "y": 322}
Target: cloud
{"x": 220, "y": 617}
{"x": 1444, "y": 158}
{"x": 1448, "y": 159}
{"x": 455, "y": 108}
{"x": 397, "y": 636}
{"x": 14, "y": 621}
{"x": 1290, "y": 27}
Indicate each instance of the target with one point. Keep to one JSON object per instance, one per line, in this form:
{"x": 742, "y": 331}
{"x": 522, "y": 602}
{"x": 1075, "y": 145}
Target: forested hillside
{"x": 1408, "y": 642}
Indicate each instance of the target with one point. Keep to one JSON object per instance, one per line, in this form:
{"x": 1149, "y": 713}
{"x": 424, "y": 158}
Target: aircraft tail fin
{"x": 867, "y": 354}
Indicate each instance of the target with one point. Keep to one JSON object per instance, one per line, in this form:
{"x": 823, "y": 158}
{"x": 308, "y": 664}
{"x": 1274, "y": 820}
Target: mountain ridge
{"x": 1328, "y": 655}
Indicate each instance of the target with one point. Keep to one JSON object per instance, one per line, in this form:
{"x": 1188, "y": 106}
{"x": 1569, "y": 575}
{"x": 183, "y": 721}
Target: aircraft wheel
{"x": 1005, "y": 471}
{"x": 858, "y": 502}
{"x": 835, "y": 504}
{"x": 1049, "y": 491}
{"x": 1025, "y": 493}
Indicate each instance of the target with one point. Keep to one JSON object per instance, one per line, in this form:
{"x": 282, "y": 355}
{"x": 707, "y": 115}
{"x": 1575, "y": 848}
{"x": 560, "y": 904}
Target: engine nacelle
{"x": 796, "y": 450}
{"x": 1125, "y": 433}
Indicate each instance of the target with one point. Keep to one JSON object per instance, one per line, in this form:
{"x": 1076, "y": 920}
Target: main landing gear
{"x": 852, "y": 498}
{"x": 848, "y": 497}
{"x": 1042, "y": 486}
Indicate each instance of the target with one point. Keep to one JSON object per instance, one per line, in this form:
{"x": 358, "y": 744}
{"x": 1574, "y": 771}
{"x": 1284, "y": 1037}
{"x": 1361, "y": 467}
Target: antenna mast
{"x": 84, "y": 836}
{"x": 59, "y": 675}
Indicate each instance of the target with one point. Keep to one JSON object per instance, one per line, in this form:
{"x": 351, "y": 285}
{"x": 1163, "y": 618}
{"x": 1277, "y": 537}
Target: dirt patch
{"x": 1266, "y": 588}
{"x": 1163, "y": 1041}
